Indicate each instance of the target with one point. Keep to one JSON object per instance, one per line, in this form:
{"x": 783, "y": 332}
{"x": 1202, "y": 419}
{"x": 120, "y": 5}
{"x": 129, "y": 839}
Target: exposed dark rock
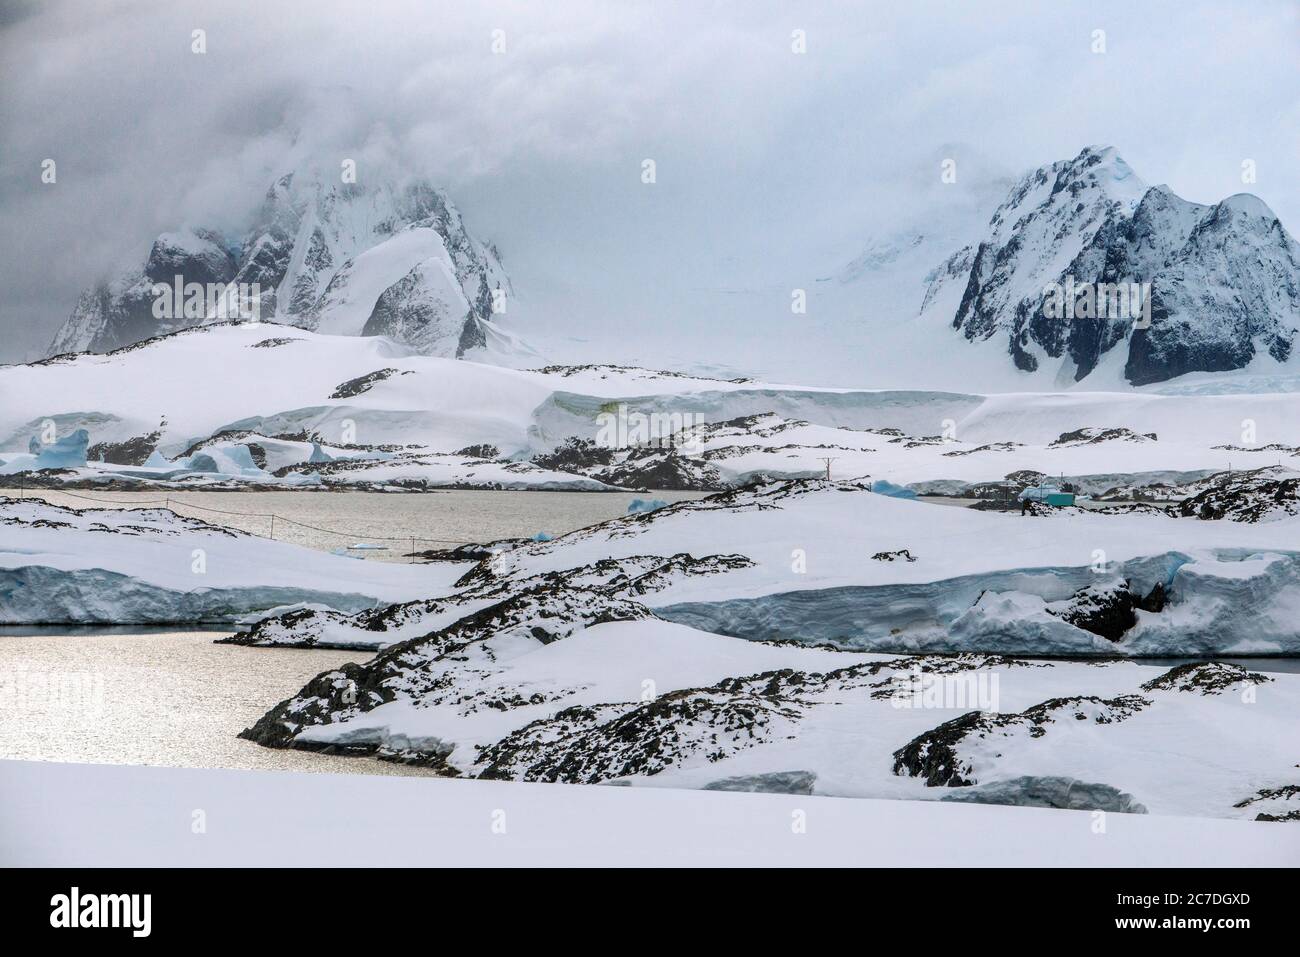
{"x": 484, "y": 451}
{"x": 575, "y": 455}
{"x": 354, "y": 387}
{"x": 902, "y": 554}
{"x": 133, "y": 451}
{"x": 936, "y": 755}
{"x": 1206, "y": 677}
{"x": 1281, "y": 795}
{"x": 586, "y": 745}
{"x": 1108, "y": 610}
{"x": 1252, "y": 496}
{"x": 1091, "y": 436}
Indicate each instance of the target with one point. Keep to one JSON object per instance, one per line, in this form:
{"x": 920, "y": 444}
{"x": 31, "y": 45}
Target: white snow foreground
{"x": 129, "y": 566}
{"x": 296, "y": 408}
{"x": 105, "y": 816}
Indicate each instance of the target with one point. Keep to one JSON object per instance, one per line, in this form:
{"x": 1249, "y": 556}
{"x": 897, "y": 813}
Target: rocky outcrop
{"x": 1260, "y": 495}
{"x": 354, "y": 387}
{"x": 425, "y": 668}
{"x": 1206, "y": 678}
{"x": 1108, "y": 610}
{"x": 939, "y": 755}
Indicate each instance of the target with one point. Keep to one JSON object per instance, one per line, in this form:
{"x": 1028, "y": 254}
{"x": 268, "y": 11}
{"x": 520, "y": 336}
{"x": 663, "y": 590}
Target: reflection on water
{"x": 434, "y": 519}
{"x": 168, "y": 699}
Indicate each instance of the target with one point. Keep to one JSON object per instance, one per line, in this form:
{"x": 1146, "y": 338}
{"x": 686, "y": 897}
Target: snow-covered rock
{"x": 1257, "y": 495}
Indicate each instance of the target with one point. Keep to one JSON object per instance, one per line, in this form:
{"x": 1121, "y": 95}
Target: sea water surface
{"x": 168, "y": 699}
{"x": 332, "y": 520}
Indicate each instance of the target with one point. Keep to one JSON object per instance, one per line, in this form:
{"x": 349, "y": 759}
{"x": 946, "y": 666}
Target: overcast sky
{"x": 768, "y": 161}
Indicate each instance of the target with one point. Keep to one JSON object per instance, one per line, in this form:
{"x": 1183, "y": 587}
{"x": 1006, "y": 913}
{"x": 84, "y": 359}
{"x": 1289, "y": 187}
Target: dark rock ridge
{"x": 354, "y": 387}
{"x": 937, "y": 755}
{"x": 596, "y": 744}
{"x": 640, "y": 467}
{"x": 630, "y": 577}
{"x": 1277, "y": 797}
{"x": 132, "y": 451}
{"x": 1206, "y": 678}
{"x": 424, "y": 668}
{"x": 1255, "y": 496}
{"x": 1091, "y": 436}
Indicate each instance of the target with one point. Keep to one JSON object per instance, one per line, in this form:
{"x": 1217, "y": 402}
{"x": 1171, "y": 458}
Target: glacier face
{"x": 152, "y": 566}
{"x": 348, "y": 259}
{"x": 1224, "y": 279}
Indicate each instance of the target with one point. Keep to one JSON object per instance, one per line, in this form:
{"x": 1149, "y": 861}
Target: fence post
{"x": 273, "y": 526}
{"x": 412, "y": 562}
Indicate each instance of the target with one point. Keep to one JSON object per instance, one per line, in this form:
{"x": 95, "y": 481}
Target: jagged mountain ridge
{"x": 345, "y": 259}
{"x": 1224, "y": 279}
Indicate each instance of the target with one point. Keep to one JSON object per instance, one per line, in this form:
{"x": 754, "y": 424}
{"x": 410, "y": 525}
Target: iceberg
{"x": 230, "y": 460}
{"x": 882, "y": 487}
{"x": 68, "y": 452}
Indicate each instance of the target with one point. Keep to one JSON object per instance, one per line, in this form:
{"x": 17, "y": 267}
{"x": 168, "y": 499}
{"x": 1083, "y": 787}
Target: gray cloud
{"x": 771, "y": 166}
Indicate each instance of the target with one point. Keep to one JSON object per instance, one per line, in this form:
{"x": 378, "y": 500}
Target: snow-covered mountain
{"x": 342, "y": 258}
{"x": 1224, "y": 279}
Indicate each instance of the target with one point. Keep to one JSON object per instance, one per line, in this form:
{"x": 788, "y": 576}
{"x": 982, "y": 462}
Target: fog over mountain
{"x": 775, "y": 170}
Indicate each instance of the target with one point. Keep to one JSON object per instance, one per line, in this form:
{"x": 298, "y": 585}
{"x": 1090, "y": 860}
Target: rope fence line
{"x": 170, "y": 502}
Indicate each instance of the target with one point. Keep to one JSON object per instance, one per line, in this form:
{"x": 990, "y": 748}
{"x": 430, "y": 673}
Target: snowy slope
{"x": 397, "y": 409}
{"x": 348, "y": 300}
{"x": 106, "y": 816}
